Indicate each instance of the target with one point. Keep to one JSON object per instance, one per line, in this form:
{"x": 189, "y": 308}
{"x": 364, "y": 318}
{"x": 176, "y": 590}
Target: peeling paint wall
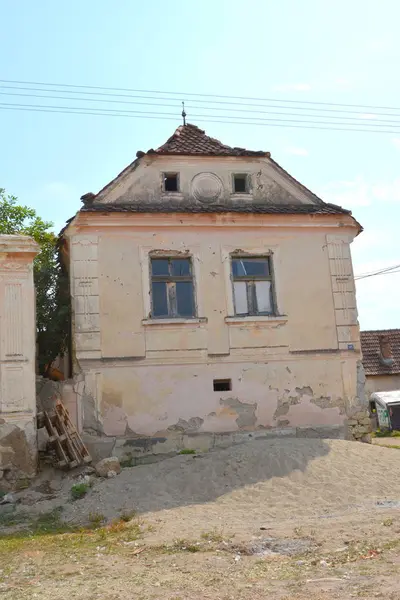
{"x": 152, "y": 400}
{"x": 142, "y": 377}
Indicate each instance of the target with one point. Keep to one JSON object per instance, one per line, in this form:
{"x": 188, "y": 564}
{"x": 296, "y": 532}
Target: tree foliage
{"x": 51, "y": 280}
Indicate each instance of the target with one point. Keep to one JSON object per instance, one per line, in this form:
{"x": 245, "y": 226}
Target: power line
{"x": 361, "y": 120}
{"x": 178, "y": 99}
{"x": 376, "y": 274}
{"x": 386, "y": 271}
{"x": 185, "y": 94}
{"x": 292, "y": 123}
{"x": 239, "y": 118}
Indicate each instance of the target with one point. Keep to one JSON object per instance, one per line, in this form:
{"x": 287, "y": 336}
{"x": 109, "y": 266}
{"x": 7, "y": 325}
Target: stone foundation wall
{"x": 359, "y": 427}
{"x": 146, "y": 449}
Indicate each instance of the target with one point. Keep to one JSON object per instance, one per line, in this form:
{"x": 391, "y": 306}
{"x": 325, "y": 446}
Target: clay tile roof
{"x": 248, "y": 207}
{"x": 370, "y": 347}
{"x": 190, "y": 139}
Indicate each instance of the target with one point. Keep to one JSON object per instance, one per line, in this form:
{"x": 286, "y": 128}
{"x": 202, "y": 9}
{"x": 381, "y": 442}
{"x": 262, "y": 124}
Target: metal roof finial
{"x": 183, "y": 113}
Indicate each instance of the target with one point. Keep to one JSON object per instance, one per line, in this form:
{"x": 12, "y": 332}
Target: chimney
{"x": 386, "y": 354}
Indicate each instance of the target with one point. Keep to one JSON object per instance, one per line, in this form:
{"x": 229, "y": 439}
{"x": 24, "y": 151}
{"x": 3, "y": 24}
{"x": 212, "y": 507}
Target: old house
{"x": 381, "y": 360}
{"x": 211, "y": 293}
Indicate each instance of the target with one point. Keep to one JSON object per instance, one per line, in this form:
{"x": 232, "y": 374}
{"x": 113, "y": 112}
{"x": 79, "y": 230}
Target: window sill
{"x": 257, "y": 319}
{"x": 194, "y": 321}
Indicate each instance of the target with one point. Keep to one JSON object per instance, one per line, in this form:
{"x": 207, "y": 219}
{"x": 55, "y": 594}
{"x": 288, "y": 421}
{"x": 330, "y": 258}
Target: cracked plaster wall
{"x": 156, "y": 400}
{"x": 141, "y": 378}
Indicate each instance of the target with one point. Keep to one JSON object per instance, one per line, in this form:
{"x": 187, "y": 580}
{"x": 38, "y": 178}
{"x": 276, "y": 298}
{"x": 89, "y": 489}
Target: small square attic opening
{"x": 171, "y": 182}
{"x": 240, "y": 183}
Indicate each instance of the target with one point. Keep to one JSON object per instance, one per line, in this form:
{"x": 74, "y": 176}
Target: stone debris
{"x": 107, "y": 466}
{"x": 269, "y": 546}
{"x": 8, "y": 499}
{"x": 17, "y": 456}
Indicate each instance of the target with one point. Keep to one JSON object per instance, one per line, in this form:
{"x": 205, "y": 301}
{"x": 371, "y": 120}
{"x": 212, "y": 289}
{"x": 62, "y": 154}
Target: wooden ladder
{"x": 64, "y": 438}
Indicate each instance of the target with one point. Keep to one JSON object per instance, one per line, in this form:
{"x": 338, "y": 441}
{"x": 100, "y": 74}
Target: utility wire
{"x": 292, "y": 123}
{"x": 179, "y": 98}
{"x": 239, "y": 118}
{"x": 358, "y": 120}
{"x": 386, "y": 271}
{"x": 376, "y": 274}
{"x": 186, "y": 94}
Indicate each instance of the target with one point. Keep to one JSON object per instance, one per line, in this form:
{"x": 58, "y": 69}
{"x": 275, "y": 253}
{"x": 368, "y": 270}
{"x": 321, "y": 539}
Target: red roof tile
{"x": 370, "y": 347}
{"x": 190, "y": 139}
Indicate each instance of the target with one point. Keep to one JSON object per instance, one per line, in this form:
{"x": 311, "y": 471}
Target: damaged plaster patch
{"x": 304, "y": 391}
{"x": 193, "y": 424}
{"x": 306, "y": 394}
{"x": 323, "y": 401}
{"x": 246, "y": 413}
{"x": 284, "y": 403}
{"x": 327, "y": 402}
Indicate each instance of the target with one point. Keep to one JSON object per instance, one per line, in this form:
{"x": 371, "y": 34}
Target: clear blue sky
{"x": 317, "y": 50}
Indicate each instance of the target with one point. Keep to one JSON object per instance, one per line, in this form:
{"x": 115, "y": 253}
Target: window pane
{"x": 159, "y": 298}
{"x": 184, "y": 298}
{"x": 253, "y": 267}
{"x": 240, "y": 293}
{"x": 263, "y": 296}
{"x": 159, "y": 266}
{"x": 180, "y": 266}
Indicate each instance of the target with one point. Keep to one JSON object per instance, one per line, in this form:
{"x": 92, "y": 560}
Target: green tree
{"x": 51, "y": 279}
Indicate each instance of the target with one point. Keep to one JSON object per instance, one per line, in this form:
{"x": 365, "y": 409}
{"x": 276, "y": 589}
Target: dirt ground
{"x": 284, "y": 519}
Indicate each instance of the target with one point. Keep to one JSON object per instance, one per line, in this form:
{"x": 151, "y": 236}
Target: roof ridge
{"x": 395, "y": 329}
{"x": 189, "y": 139}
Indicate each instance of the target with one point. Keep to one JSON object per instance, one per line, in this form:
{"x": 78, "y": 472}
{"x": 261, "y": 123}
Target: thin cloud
{"x": 348, "y": 193}
{"x": 396, "y": 143}
{"x": 359, "y": 192}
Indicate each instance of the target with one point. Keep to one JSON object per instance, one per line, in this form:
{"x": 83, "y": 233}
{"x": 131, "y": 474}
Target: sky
{"x": 314, "y": 50}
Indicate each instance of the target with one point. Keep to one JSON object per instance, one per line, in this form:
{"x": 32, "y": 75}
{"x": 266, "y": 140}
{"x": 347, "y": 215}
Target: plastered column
{"x": 17, "y": 349}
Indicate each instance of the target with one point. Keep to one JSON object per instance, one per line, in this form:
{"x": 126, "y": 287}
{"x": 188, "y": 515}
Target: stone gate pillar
{"x": 18, "y": 446}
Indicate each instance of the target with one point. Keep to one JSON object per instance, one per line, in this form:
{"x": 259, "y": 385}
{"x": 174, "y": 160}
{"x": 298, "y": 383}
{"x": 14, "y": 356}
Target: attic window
{"x": 171, "y": 182}
{"x": 240, "y": 183}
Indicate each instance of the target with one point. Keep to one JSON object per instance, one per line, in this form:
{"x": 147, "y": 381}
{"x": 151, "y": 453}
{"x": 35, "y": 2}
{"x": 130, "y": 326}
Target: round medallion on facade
{"x": 206, "y": 187}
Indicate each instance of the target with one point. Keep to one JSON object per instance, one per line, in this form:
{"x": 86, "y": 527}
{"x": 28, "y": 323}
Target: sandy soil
{"x": 342, "y": 498}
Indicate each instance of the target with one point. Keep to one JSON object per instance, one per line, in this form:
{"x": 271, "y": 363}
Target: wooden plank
{"x": 63, "y": 436}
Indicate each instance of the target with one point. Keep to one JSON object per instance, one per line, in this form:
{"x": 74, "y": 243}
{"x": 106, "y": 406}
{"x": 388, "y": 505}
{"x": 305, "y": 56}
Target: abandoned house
{"x": 212, "y": 293}
{"x": 381, "y": 360}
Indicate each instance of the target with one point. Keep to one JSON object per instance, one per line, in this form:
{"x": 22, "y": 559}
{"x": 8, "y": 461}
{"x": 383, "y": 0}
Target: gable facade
{"x": 211, "y": 309}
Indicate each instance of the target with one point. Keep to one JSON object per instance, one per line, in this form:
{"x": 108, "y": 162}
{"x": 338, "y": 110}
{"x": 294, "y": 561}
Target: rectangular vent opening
{"x": 222, "y": 385}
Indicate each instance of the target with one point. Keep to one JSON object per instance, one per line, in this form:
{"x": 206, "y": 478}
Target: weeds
{"x": 128, "y": 516}
{"x": 96, "y": 519}
{"x": 386, "y": 433}
{"x": 212, "y": 536}
{"x": 187, "y": 451}
{"x": 128, "y": 462}
{"x": 79, "y": 490}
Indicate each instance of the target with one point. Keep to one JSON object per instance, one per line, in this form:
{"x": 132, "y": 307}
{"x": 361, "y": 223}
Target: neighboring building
{"x": 381, "y": 360}
{"x": 211, "y": 292}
